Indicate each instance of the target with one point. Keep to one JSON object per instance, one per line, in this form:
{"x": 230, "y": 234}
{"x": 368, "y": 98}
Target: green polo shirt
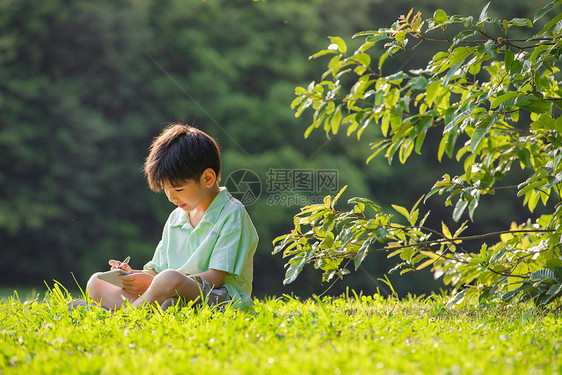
{"x": 225, "y": 240}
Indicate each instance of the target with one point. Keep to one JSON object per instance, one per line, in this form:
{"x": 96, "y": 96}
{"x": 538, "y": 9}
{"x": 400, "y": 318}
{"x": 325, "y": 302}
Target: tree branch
{"x": 466, "y": 238}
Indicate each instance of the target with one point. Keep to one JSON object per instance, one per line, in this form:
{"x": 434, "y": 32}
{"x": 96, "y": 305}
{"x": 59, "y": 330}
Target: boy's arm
{"x": 213, "y": 277}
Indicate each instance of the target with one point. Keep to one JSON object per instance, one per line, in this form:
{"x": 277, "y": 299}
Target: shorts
{"x": 212, "y": 296}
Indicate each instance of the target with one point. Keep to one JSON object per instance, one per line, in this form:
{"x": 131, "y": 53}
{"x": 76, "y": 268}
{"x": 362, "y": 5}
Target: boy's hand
{"x": 137, "y": 282}
{"x": 116, "y": 264}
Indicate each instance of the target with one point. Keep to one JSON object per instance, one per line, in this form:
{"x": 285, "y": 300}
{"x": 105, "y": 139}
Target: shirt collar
{"x": 216, "y": 206}
{"x": 211, "y": 214}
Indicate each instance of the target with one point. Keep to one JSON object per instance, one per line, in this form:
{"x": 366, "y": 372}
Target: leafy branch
{"x": 451, "y": 93}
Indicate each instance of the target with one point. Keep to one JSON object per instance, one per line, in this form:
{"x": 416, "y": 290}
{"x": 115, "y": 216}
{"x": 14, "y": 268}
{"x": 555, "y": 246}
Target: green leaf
{"x": 521, "y": 22}
{"x": 335, "y": 64}
{"x": 452, "y": 72}
{"x": 362, "y": 253}
{"x": 484, "y": 13}
{"x": 551, "y": 182}
{"x": 534, "y": 197}
{"x": 338, "y": 195}
{"x": 544, "y": 275}
{"x": 457, "y": 298}
{"x": 547, "y": 8}
{"x": 336, "y": 120}
{"x": 472, "y": 207}
{"x": 466, "y": 112}
{"x": 451, "y": 141}
{"x": 503, "y": 98}
{"x": 309, "y": 130}
{"x": 399, "y": 37}
{"x": 366, "y": 201}
{"x": 508, "y": 59}
{"x": 366, "y": 33}
{"x": 396, "y": 77}
{"x": 538, "y": 106}
{"x": 474, "y": 68}
{"x": 363, "y": 59}
{"x": 459, "y": 209}
{"x": 495, "y": 20}
{"x": 402, "y": 211}
{"x": 442, "y": 145}
{"x": 383, "y": 58}
{"x": 440, "y": 16}
{"x": 425, "y": 264}
{"x": 525, "y": 157}
{"x": 463, "y": 35}
{"x": 431, "y": 92}
{"x": 378, "y": 147}
{"x": 376, "y": 38}
{"x": 407, "y": 253}
{"x": 338, "y": 43}
{"x": 537, "y": 51}
{"x": 292, "y": 273}
{"x": 554, "y": 262}
{"x": 515, "y": 67}
{"x": 555, "y": 290}
{"x": 414, "y": 213}
{"x": 558, "y": 125}
{"x": 551, "y": 23}
{"x": 405, "y": 150}
{"x": 418, "y": 83}
{"x": 419, "y": 141}
{"x": 544, "y": 122}
{"x": 483, "y": 127}
{"x": 322, "y": 53}
{"x": 392, "y": 150}
{"x": 507, "y": 297}
{"x": 328, "y": 241}
{"x": 488, "y": 48}
{"x": 446, "y": 231}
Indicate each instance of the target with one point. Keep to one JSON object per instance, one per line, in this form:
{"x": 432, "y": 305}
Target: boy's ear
{"x": 209, "y": 177}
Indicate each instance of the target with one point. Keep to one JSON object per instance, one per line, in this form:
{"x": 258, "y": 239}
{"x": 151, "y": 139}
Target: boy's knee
{"x": 167, "y": 277}
{"x": 93, "y": 286}
{"x": 167, "y": 282}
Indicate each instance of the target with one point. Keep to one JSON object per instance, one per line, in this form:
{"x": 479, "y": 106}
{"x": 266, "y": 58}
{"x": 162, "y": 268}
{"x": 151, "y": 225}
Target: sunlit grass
{"x": 346, "y": 335}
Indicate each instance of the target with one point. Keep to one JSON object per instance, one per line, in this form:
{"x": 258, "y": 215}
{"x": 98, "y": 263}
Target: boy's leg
{"x": 167, "y": 284}
{"x": 108, "y": 295}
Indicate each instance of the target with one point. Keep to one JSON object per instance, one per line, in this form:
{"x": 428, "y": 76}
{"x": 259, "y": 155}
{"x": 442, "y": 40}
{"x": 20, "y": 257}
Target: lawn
{"x": 346, "y": 335}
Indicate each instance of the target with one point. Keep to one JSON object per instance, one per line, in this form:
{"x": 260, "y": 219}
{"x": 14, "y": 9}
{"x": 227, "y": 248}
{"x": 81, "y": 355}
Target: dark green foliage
{"x": 83, "y": 89}
{"x": 71, "y": 96}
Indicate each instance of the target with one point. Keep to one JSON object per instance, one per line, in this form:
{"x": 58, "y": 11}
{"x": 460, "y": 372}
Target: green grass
{"x": 347, "y": 335}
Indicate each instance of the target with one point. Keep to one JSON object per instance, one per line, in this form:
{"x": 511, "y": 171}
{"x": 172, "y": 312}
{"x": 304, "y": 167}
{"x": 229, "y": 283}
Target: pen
{"x": 126, "y": 261}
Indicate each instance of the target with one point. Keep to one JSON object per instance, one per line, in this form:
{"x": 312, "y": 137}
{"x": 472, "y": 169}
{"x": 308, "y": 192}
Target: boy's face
{"x": 192, "y": 194}
{"x": 186, "y": 196}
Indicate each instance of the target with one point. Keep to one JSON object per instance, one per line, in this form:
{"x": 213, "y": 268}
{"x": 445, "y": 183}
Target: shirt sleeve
{"x": 235, "y": 246}
{"x": 159, "y": 260}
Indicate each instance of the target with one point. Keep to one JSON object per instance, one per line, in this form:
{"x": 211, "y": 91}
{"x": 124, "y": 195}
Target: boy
{"x": 208, "y": 242}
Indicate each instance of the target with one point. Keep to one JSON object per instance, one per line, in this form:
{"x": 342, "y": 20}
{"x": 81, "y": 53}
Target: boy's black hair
{"x": 180, "y": 153}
